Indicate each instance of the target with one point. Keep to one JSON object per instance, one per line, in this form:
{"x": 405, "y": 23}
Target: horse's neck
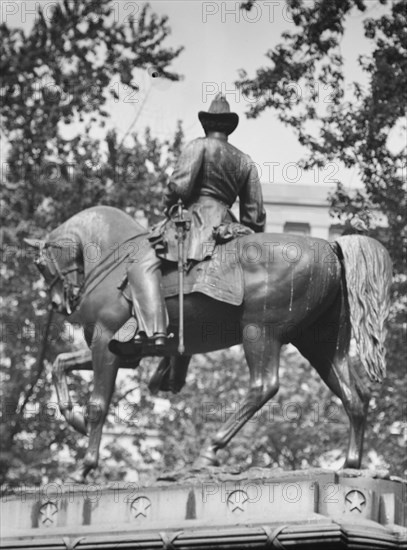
{"x": 98, "y": 235}
{"x": 99, "y": 255}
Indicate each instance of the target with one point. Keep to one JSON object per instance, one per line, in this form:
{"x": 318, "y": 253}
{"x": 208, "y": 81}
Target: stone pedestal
{"x": 218, "y": 509}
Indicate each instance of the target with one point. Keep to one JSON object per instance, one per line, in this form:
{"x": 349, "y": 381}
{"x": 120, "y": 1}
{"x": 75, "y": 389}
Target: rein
{"x": 71, "y": 289}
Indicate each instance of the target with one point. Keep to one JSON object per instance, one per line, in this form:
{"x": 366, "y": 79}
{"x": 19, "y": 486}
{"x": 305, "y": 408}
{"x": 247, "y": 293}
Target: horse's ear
{"x": 35, "y": 243}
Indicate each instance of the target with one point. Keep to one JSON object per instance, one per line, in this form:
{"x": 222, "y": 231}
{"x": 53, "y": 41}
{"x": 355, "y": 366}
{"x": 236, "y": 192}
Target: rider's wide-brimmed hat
{"x": 219, "y": 118}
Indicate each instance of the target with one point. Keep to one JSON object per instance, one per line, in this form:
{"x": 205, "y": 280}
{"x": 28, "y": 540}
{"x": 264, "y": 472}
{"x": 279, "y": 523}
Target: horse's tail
{"x": 368, "y": 275}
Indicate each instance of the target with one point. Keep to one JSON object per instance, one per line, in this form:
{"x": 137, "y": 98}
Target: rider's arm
{"x": 252, "y": 212}
{"x": 185, "y": 173}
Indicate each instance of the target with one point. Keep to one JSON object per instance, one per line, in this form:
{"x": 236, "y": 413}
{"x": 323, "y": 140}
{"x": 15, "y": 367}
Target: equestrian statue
{"x": 201, "y": 280}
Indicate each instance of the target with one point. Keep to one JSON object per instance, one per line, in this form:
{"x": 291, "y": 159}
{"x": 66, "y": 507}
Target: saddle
{"x": 220, "y": 277}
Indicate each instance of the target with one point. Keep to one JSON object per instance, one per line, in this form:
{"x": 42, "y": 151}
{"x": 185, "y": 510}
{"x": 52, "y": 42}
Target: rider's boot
{"x": 148, "y": 302}
{"x": 150, "y": 313}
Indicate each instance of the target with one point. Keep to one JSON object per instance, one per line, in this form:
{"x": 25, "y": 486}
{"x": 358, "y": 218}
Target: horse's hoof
{"x": 205, "y": 460}
{"x": 80, "y": 475}
{"x": 77, "y": 477}
{"x": 80, "y": 424}
{"x": 351, "y": 464}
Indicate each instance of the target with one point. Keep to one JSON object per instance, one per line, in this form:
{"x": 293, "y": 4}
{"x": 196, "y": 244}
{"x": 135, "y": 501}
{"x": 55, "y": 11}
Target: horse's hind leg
{"x": 328, "y": 355}
{"x": 263, "y": 358}
{"x": 63, "y": 364}
{"x": 105, "y": 366}
{"x": 357, "y": 409}
{"x": 355, "y": 397}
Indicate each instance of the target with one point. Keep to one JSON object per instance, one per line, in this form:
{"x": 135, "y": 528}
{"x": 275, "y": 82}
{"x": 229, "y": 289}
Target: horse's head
{"x": 59, "y": 263}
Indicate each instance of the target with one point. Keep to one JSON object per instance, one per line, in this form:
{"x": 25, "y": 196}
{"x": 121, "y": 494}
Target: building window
{"x": 335, "y": 231}
{"x": 298, "y": 228}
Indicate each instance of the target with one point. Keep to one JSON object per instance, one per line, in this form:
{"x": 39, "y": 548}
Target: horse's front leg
{"x": 105, "y": 366}
{"x": 63, "y": 364}
{"x": 263, "y": 358}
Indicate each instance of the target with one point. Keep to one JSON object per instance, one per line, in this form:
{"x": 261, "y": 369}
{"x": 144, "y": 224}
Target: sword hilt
{"x": 181, "y": 222}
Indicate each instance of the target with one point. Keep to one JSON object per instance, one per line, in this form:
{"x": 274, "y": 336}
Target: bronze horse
{"x": 297, "y": 289}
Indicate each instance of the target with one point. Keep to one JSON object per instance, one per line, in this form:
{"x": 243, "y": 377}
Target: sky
{"x": 219, "y": 39}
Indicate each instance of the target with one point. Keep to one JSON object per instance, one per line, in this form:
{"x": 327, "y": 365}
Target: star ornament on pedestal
{"x": 140, "y": 507}
{"x": 47, "y": 513}
{"x": 237, "y": 500}
{"x": 355, "y": 500}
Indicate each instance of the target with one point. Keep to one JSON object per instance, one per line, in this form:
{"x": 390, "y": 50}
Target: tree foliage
{"x": 64, "y": 67}
{"x": 305, "y": 425}
{"x": 363, "y": 126}
{"x": 297, "y": 428}
{"x": 59, "y": 75}
{"x": 28, "y": 412}
{"x": 354, "y": 127}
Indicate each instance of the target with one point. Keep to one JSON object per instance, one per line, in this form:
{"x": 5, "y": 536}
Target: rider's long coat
{"x": 209, "y": 176}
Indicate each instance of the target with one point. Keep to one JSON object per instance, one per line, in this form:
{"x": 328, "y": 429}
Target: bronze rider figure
{"x": 209, "y": 176}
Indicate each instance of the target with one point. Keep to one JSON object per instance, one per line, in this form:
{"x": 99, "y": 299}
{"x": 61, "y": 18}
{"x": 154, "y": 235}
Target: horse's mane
{"x": 92, "y": 234}
{"x": 99, "y": 224}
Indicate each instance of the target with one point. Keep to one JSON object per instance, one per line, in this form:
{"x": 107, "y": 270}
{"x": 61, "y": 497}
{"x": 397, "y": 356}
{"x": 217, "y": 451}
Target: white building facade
{"x": 299, "y": 209}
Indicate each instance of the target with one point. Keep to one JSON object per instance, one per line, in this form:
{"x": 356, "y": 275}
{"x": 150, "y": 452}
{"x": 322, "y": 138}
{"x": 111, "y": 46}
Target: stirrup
{"x": 152, "y": 344}
{"x": 160, "y": 339}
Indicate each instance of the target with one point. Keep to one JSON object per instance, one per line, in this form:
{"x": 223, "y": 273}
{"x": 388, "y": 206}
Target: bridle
{"x": 71, "y": 288}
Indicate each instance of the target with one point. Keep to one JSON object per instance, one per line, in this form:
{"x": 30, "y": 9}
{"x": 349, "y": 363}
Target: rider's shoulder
{"x": 245, "y": 157}
{"x": 195, "y": 143}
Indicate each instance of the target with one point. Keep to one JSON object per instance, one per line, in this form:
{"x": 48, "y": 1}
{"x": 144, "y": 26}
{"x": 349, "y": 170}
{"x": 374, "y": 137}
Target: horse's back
{"x": 290, "y": 278}
{"x": 284, "y": 252}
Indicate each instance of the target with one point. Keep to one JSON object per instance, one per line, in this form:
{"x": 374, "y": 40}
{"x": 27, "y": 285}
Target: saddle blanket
{"x": 219, "y": 277}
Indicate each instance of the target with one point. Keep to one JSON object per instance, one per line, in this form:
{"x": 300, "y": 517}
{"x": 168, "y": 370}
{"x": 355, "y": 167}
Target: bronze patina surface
{"x": 297, "y": 289}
